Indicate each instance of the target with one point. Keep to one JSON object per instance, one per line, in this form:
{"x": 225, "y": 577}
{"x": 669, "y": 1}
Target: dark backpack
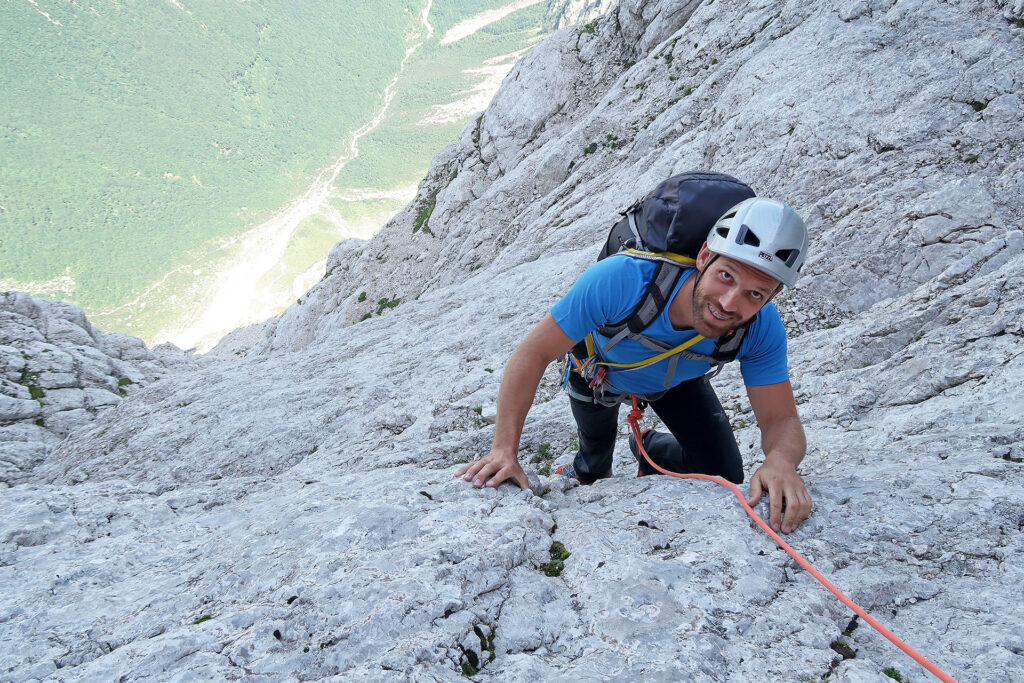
{"x": 678, "y": 215}
{"x": 669, "y": 226}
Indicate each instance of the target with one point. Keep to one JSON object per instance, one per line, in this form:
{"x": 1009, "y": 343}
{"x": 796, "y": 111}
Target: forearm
{"x": 783, "y": 441}
{"x": 784, "y": 446}
{"x": 515, "y": 396}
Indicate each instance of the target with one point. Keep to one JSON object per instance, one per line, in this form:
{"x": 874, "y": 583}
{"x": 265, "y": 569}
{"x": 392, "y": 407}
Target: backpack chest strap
{"x": 672, "y": 354}
{"x": 656, "y": 296}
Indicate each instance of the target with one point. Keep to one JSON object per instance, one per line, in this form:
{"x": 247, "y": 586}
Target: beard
{"x": 706, "y": 323}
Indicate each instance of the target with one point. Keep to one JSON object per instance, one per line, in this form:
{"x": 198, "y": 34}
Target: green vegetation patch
{"x": 310, "y": 242}
{"x": 425, "y": 212}
{"x": 486, "y": 643}
{"x": 553, "y": 568}
{"x": 558, "y": 551}
{"x": 476, "y": 130}
{"x": 558, "y": 557}
{"x": 386, "y": 303}
{"x": 30, "y": 380}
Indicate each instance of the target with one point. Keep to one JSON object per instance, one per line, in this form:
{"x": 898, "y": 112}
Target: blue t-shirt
{"x": 609, "y": 290}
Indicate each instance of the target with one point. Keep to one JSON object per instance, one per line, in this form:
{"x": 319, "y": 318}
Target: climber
{"x": 750, "y": 253}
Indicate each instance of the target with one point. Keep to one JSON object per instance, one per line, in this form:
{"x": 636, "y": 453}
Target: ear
{"x": 703, "y": 256}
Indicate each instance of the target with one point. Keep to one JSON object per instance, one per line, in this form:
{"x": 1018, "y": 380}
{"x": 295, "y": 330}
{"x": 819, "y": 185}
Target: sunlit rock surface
{"x": 58, "y": 373}
{"x": 568, "y": 12}
{"x": 288, "y": 510}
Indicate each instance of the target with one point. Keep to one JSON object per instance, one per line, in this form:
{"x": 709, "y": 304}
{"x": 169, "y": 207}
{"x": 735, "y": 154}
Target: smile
{"x": 717, "y": 315}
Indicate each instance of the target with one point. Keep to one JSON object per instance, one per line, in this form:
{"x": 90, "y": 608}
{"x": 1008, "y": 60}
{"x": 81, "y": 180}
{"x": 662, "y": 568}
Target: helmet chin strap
{"x": 777, "y": 290}
{"x": 701, "y": 271}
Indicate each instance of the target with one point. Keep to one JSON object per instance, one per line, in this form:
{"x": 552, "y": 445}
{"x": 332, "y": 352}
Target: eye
{"x": 756, "y": 296}
{"x": 726, "y": 276}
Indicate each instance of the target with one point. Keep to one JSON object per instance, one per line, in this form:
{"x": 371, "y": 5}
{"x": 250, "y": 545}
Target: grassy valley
{"x": 143, "y": 143}
{"x": 135, "y": 132}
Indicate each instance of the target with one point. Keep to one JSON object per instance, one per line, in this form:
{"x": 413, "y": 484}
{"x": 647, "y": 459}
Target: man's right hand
{"x": 518, "y": 387}
{"x": 494, "y": 468}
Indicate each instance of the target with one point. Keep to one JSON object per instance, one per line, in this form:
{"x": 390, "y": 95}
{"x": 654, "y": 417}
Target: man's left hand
{"x": 782, "y": 483}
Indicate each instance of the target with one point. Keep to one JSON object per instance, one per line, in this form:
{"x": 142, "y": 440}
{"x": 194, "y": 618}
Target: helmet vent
{"x": 747, "y": 236}
{"x": 788, "y": 255}
{"x": 722, "y": 232}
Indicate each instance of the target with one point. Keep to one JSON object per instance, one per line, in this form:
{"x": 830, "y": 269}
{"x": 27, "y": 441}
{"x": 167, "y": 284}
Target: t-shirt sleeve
{"x": 606, "y": 292}
{"x": 763, "y": 357}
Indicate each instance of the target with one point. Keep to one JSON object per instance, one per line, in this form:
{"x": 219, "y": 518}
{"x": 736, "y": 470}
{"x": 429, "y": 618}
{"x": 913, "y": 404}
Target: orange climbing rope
{"x": 637, "y": 413}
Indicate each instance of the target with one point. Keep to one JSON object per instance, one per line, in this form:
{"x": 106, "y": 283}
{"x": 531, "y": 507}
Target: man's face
{"x": 729, "y": 293}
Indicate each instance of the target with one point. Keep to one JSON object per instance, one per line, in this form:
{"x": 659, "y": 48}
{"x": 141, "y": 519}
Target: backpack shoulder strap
{"x": 655, "y": 297}
{"x": 728, "y": 346}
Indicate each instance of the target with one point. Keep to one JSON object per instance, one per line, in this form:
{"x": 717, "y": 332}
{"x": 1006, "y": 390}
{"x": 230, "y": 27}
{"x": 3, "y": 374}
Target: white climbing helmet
{"x": 765, "y": 234}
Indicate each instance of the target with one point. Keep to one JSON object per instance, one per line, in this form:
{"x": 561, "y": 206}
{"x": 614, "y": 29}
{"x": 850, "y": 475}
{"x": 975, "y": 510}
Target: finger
{"x": 462, "y": 469}
{"x": 506, "y": 472}
{"x": 797, "y": 508}
{"x": 485, "y": 473}
{"x": 522, "y": 479}
{"x": 775, "y": 506}
{"x": 799, "y": 511}
{"x": 755, "y": 490}
{"x": 472, "y": 468}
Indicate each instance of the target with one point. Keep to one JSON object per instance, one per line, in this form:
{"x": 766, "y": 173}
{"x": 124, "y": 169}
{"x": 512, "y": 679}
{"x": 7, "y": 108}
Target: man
{"x": 755, "y": 249}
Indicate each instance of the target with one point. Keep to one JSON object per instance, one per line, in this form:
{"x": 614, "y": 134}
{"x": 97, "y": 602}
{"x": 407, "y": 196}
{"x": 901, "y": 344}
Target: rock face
{"x": 568, "y": 12}
{"x": 59, "y": 373}
{"x": 289, "y": 510}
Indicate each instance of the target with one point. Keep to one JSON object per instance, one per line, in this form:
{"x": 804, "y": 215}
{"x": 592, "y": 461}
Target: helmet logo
{"x": 766, "y": 257}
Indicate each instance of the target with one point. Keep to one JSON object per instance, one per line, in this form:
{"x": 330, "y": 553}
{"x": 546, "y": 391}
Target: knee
{"x": 733, "y": 472}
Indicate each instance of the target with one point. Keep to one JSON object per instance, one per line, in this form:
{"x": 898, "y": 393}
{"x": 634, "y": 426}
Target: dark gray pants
{"x": 701, "y": 439}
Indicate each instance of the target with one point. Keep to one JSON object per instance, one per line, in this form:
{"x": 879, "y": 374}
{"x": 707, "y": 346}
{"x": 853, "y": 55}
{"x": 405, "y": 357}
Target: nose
{"x": 729, "y": 301}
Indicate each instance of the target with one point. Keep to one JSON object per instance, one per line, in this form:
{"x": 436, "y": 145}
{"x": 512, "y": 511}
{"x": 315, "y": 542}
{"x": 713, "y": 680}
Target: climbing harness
{"x": 637, "y": 413}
